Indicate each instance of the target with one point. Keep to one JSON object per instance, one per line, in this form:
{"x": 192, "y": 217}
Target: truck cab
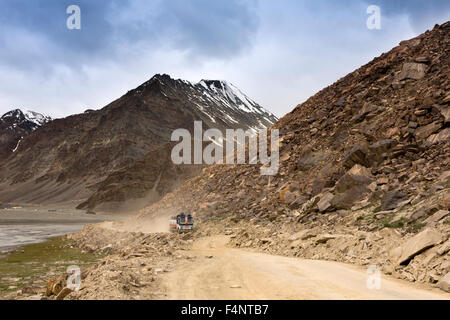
{"x": 181, "y": 223}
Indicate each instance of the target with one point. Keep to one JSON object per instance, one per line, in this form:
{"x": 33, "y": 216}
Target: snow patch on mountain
{"x": 220, "y": 101}
{"x": 32, "y": 119}
{"x": 225, "y": 93}
{"x": 17, "y": 145}
{"x": 37, "y": 118}
{"x": 230, "y": 95}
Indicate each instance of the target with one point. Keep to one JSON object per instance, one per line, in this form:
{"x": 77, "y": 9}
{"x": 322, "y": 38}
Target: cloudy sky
{"x": 278, "y": 52}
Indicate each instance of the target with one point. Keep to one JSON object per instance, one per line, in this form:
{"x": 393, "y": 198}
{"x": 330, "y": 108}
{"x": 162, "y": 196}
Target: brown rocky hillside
{"x": 16, "y": 124}
{"x": 122, "y": 144}
{"x": 364, "y": 171}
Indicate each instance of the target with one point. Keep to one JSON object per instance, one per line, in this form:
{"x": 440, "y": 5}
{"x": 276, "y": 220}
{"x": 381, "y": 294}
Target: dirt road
{"x": 218, "y": 272}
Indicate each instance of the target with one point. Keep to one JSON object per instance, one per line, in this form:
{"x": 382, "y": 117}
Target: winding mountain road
{"x": 219, "y": 272}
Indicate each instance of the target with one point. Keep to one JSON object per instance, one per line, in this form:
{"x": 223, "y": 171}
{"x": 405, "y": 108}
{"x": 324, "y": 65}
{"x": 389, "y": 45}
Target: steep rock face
{"x": 68, "y": 158}
{"x": 389, "y": 120}
{"x": 15, "y": 125}
{"x": 141, "y": 183}
{"x": 371, "y": 119}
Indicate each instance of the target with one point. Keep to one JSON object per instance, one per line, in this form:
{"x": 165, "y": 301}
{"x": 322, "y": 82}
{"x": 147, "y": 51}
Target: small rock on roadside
{"x": 444, "y": 283}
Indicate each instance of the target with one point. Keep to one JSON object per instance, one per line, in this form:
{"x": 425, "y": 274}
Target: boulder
{"x": 418, "y": 244}
{"x": 325, "y": 178}
{"x": 290, "y": 197}
{"x": 382, "y": 146}
{"x": 395, "y": 253}
{"x": 411, "y": 70}
{"x": 293, "y": 198}
{"x": 436, "y": 217}
{"x": 310, "y": 160}
{"x": 445, "y": 203}
{"x": 367, "y": 111}
{"x": 426, "y": 131}
{"x": 418, "y": 214}
{"x": 383, "y": 180}
{"x": 422, "y": 59}
{"x": 324, "y": 238}
{"x": 356, "y": 176}
{"x": 392, "y": 199}
{"x": 63, "y": 293}
{"x": 351, "y": 187}
{"x": 346, "y": 200}
{"x": 442, "y": 136}
{"x": 444, "y": 283}
{"x": 54, "y": 286}
{"x": 303, "y": 235}
{"x": 325, "y": 202}
{"x": 446, "y": 99}
{"x": 357, "y": 155}
{"x": 444, "y": 177}
{"x": 445, "y": 112}
{"x": 444, "y": 248}
{"x": 445, "y": 265}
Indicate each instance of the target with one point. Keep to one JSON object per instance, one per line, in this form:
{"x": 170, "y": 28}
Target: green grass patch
{"x": 34, "y": 263}
{"x": 396, "y": 224}
{"x": 377, "y": 209}
{"x": 416, "y": 227}
{"x": 386, "y": 222}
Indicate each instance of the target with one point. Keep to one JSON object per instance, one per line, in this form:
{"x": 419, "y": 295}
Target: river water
{"x": 22, "y": 225}
{"x": 13, "y": 236}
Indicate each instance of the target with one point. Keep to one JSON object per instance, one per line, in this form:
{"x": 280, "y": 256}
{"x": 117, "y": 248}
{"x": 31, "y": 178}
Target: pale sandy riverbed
{"x": 21, "y": 225}
{"x": 12, "y": 236}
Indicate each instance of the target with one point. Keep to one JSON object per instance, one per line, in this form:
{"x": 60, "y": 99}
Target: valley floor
{"x": 204, "y": 265}
{"x": 207, "y": 264}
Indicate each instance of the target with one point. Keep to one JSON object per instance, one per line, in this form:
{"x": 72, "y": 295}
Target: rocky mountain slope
{"x": 70, "y": 158}
{"x": 364, "y": 172}
{"x": 16, "y": 124}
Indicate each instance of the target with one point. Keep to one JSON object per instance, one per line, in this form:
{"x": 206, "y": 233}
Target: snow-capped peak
{"x": 232, "y": 93}
{"x": 231, "y": 96}
{"x": 219, "y": 100}
{"x": 35, "y": 119}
